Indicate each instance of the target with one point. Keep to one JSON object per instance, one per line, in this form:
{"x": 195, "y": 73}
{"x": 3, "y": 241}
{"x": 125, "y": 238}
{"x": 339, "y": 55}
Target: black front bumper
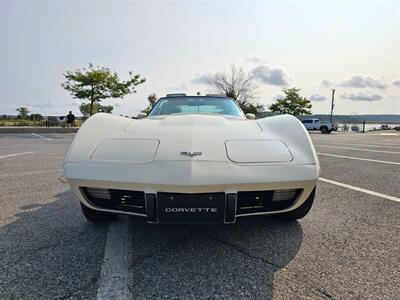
{"x": 190, "y": 208}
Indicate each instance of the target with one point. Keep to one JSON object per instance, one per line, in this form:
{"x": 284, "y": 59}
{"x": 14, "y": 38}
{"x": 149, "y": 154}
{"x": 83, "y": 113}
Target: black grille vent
{"x": 261, "y": 201}
{"x": 123, "y": 200}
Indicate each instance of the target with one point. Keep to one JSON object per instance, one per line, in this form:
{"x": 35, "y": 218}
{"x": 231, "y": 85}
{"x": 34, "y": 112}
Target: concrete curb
{"x": 37, "y": 130}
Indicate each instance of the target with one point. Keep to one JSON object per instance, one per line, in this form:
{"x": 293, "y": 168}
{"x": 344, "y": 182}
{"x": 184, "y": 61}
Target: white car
{"x": 194, "y": 159}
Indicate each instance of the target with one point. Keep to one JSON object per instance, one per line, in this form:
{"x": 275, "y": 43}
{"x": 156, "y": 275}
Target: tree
{"x": 85, "y": 109}
{"x": 239, "y": 86}
{"x": 35, "y": 117}
{"x": 98, "y": 83}
{"x": 152, "y": 98}
{"x": 292, "y": 104}
{"x": 23, "y": 112}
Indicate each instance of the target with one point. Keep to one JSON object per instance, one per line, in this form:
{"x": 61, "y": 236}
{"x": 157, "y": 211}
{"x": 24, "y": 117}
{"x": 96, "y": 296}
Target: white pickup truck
{"x": 316, "y": 124}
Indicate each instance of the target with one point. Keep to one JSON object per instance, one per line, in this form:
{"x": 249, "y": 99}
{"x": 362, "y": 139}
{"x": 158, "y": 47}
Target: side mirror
{"x": 141, "y": 115}
{"x": 251, "y": 116}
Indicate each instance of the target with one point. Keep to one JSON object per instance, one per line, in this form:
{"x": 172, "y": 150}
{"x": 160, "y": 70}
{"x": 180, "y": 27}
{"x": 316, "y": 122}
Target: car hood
{"x": 106, "y": 138}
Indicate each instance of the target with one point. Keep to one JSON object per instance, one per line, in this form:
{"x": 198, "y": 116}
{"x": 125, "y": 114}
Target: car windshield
{"x": 196, "y": 105}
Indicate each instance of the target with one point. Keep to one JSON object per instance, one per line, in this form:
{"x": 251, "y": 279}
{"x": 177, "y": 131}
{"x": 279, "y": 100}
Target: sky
{"x": 352, "y": 46}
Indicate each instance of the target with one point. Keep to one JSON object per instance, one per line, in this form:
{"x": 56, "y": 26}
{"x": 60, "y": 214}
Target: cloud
{"x": 203, "y": 79}
{"x": 181, "y": 87}
{"x": 255, "y": 59}
{"x": 327, "y": 83}
{"x": 361, "y": 97}
{"x": 272, "y": 76}
{"x": 396, "y": 82}
{"x": 278, "y": 96}
{"x": 357, "y": 81}
{"x": 360, "y": 81}
{"x": 317, "y": 97}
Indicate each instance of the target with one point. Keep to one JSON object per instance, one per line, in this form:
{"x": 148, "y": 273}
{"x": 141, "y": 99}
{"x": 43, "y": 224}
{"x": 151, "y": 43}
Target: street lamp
{"x": 333, "y": 104}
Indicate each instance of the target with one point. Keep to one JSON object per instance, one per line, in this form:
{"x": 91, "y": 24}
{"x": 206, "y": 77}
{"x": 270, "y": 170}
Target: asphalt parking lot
{"x": 347, "y": 247}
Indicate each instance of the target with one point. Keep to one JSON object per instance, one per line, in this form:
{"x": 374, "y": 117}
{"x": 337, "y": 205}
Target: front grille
{"x": 262, "y": 201}
{"x": 123, "y": 200}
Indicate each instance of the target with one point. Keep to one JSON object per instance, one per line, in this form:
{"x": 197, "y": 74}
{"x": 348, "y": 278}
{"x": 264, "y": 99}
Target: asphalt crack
{"x": 29, "y": 252}
{"x": 141, "y": 259}
{"x": 241, "y": 250}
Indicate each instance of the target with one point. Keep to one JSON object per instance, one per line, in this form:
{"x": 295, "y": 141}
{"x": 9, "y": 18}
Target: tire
{"x": 324, "y": 130}
{"x": 329, "y": 131}
{"x": 96, "y": 216}
{"x": 301, "y": 211}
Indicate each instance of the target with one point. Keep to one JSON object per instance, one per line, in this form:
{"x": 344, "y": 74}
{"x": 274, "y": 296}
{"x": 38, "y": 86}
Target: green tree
{"x": 23, "y": 112}
{"x": 98, "y": 83}
{"x": 239, "y": 86}
{"x": 152, "y": 98}
{"x": 35, "y": 117}
{"x": 97, "y": 107}
{"x": 292, "y": 104}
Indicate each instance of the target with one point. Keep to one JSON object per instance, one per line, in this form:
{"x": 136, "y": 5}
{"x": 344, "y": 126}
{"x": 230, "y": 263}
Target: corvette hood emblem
{"x": 191, "y": 154}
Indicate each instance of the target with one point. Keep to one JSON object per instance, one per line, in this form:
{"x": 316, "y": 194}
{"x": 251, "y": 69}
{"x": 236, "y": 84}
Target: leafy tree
{"x": 239, "y": 86}
{"x": 292, "y": 104}
{"x": 97, "y": 107}
{"x": 23, "y": 112}
{"x": 152, "y": 98}
{"x": 98, "y": 83}
{"x": 35, "y": 117}
{"x": 5, "y": 117}
{"x": 252, "y": 108}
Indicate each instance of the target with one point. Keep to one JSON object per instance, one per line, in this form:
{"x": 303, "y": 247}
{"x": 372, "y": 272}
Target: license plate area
{"x": 191, "y": 208}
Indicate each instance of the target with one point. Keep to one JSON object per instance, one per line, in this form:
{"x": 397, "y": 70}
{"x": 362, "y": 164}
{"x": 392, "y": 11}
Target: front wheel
{"x": 301, "y": 211}
{"x": 96, "y": 216}
{"x": 324, "y": 130}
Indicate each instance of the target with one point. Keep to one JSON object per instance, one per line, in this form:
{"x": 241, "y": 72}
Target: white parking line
{"x": 358, "y": 189}
{"x": 366, "y": 145}
{"x": 344, "y": 141}
{"x": 42, "y": 137}
{"x": 16, "y": 154}
{"x": 360, "y": 158}
{"x": 358, "y": 149}
{"x": 113, "y": 283}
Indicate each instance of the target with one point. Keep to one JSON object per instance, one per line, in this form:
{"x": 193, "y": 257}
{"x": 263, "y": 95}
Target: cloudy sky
{"x": 353, "y": 47}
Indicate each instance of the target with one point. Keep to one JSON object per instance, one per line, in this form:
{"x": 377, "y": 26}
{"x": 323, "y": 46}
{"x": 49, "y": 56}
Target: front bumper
{"x": 191, "y": 177}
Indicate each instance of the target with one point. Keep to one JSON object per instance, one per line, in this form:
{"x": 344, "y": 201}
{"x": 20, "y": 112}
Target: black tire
{"x": 301, "y": 211}
{"x": 329, "y": 131}
{"x": 324, "y": 130}
{"x": 96, "y": 216}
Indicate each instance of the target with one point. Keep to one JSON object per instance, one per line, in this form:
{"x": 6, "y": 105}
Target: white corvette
{"x": 194, "y": 159}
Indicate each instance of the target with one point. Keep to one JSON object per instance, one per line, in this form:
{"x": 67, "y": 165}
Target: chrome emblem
{"x": 191, "y": 154}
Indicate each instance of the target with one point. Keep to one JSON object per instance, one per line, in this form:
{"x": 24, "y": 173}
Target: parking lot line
{"x": 113, "y": 283}
{"x": 42, "y": 137}
{"x": 359, "y": 144}
{"x": 16, "y": 154}
{"x": 358, "y": 149}
{"x": 355, "y": 188}
{"x": 360, "y": 158}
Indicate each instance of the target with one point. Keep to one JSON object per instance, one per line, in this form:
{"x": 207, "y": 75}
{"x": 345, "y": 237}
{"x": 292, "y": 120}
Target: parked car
{"x": 316, "y": 124}
{"x": 194, "y": 159}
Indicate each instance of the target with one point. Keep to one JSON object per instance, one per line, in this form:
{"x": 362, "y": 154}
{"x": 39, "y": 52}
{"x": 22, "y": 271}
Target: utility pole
{"x": 333, "y": 104}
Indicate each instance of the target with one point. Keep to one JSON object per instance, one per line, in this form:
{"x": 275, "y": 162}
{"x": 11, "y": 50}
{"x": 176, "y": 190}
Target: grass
{"x": 41, "y": 123}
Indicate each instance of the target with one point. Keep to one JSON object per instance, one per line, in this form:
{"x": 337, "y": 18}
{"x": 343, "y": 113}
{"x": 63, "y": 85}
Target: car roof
{"x": 194, "y": 96}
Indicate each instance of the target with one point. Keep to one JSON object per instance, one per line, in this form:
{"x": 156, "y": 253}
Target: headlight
{"x": 284, "y": 195}
{"x": 98, "y": 193}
